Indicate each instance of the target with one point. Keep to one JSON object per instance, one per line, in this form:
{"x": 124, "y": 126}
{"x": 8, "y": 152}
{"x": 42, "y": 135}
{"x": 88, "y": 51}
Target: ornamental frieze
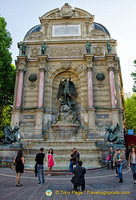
{"x": 66, "y": 51}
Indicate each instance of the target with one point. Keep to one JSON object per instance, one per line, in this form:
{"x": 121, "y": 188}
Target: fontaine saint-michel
{"x": 68, "y": 86}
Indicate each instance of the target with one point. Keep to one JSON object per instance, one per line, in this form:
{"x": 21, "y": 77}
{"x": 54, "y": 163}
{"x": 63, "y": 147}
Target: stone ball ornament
{"x": 100, "y": 76}
{"x": 32, "y": 77}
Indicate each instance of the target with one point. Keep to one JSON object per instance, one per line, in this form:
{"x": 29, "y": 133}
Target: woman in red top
{"x": 50, "y": 161}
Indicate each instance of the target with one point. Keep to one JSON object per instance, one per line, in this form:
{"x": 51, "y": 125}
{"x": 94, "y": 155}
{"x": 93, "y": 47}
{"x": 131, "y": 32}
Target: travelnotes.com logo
{"x": 48, "y": 193}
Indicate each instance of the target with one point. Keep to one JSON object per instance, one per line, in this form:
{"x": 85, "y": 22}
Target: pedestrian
{"x": 119, "y": 163}
{"x": 40, "y": 166}
{"x": 19, "y": 165}
{"x": 78, "y": 178}
{"x": 114, "y": 158}
{"x": 76, "y": 156}
{"x": 132, "y": 163}
{"x": 50, "y": 161}
{"x": 111, "y": 155}
{"x": 72, "y": 162}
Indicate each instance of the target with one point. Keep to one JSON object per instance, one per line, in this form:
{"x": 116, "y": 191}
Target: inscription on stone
{"x": 66, "y": 30}
{"x": 98, "y": 116}
{"x": 66, "y": 51}
{"x": 29, "y": 116}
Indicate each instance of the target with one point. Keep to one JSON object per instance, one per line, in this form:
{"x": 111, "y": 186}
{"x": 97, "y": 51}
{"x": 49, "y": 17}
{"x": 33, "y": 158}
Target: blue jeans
{"x": 71, "y": 166}
{"x": 133, "y": 168}
{"x": 120, "y": 171}
{"x": 40, "y": 169}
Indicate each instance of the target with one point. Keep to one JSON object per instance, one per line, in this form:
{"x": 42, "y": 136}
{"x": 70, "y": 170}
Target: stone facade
{"x": 96, "y": 75}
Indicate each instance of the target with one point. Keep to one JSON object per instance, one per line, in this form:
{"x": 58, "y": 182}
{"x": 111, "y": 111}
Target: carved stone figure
{"x": 43, "y": 49}
{"x": 65, "y": 92}
{"x": 88, "y": 48}
{"x": 11, "y": 135}
{"x": 112, "y": 135}
{"x": 109, "y": 48}
{"x": 23, "y": 49}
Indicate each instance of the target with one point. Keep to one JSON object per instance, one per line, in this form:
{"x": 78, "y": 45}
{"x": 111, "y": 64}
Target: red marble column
{"x": 112, "y": 88}
{"x": 19, "y": 88}
{"x": 90, "y": 88}
{"x": 41, "y": 88}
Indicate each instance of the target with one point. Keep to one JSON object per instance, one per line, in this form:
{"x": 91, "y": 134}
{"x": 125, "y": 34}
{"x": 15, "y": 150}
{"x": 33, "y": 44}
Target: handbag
{"x": 108, "y": 157}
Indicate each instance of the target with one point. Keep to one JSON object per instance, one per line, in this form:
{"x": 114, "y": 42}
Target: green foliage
{"x": 7, "y": 75}
{"x": 130, "y": 108}
{"x": 133, "y": 74}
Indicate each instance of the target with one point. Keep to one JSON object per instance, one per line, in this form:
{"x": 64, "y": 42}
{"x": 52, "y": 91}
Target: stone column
{"x": 41, "y": 88}
{"x": 43, "y": 61}
{"x": 90, "y": 87}
{"x": 16, "y": 112}
{"x": 114, "y": 109}
{"x": 40, "y": 104}
{"x": 89, "y": 58}
{"x": 91, "y": 110}
{"x": 20, "y": 64}
{"x": 112, "y": 88}
{"x": 19, "y": 88}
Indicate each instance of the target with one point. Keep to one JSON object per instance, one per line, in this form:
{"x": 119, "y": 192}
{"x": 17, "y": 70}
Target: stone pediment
{"x": 66, "y": 12}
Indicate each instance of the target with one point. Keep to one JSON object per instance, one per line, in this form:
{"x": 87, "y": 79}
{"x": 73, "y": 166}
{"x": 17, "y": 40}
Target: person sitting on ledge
{"x": 78, "y": 178}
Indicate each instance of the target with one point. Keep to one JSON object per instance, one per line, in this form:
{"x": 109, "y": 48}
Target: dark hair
{"x": 41, "y": 149}
{"x": 80, "y": 163}
{"x": 19, "y": 153}
{"x": 49, "y": 151}
{"x": 19, "y": 156}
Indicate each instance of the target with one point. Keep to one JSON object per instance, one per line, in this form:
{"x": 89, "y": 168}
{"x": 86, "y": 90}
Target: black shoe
{"x": 18, "y": 185}
{"x": 121, "y": 180}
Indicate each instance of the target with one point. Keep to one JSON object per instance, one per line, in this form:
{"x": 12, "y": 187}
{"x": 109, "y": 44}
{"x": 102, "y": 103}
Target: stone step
{"x": 51, "y": 144}
{"x": 64, "y": 164}
{"x": 59, "y": 152}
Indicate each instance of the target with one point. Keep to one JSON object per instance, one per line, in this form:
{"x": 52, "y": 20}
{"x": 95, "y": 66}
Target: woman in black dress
{"x": 19, "y": 163}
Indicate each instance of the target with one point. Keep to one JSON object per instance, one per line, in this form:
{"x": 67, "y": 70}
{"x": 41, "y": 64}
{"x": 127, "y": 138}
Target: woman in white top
{"x": 132, "y": 162}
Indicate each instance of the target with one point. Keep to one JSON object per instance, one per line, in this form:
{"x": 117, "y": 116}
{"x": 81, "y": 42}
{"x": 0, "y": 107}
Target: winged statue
{"x": 65, "y": 92}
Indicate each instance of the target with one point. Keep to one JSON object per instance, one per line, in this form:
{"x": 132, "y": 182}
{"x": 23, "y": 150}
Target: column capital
{"x": 111, "y": 68}
{"x": 21, "y": 62}
{"x": 88, "y": 57}
{"x": 42, "y": 69}
{"x": 89, "y": 68}
{"x": 43, "y": 60}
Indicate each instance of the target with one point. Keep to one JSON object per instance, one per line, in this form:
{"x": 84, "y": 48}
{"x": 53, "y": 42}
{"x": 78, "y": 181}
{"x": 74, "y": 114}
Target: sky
{"x": 118, "y": 16}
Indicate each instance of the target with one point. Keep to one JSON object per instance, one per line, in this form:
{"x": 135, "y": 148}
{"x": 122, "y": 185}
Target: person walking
{"x": 40, "y": 166}
{"x": 50, "y": 161}
{"x": 78, "y": 178}
{"x": 19, "y": 166}
{"x": 132, "y": 162}
{"x": 111, "y": 155}
{"x": 114, "y": 158}
{"x": 119, "y": 163}
{"x": 72, "y": 162}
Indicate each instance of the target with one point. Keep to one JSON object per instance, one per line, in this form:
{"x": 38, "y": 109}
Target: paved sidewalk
{"x": 98, "y": 182}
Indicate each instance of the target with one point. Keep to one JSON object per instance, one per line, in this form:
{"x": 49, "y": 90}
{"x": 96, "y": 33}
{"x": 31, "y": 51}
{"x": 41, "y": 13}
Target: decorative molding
{"x": 66, "y": 11}
{"x": 97, "y": 34}
{"x": 98, "y": 51}
{"x": 66, "y": 65}
{"x": 35, "y": 52}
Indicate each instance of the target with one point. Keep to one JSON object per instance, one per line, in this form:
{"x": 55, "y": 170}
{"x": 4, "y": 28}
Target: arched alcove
{"x": 55, "y": 86}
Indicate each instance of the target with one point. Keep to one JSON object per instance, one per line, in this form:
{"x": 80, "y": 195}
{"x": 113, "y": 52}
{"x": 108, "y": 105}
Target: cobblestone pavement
{"x": 100, "y": 185}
